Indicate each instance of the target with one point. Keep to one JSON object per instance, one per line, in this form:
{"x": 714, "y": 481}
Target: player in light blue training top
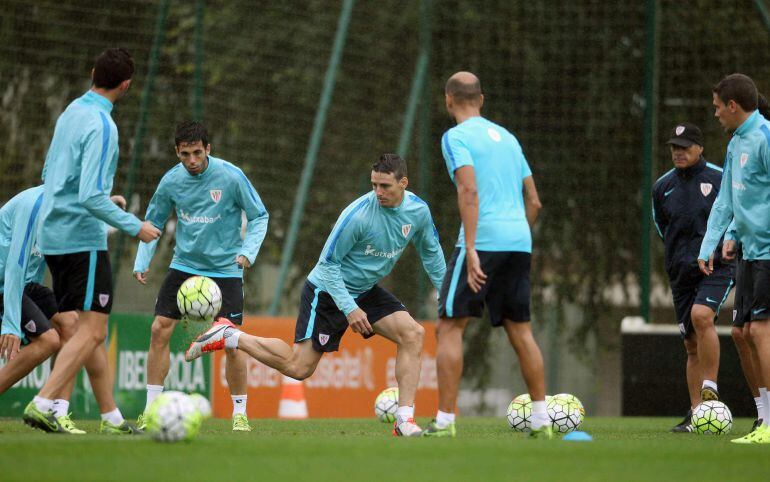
{"x": 72, "y": 234}
{"x": 491, "y": 262}
{"x": 744, "y": 198}
{"x": 209, "y": 196}
{"x": 367, "y": 240}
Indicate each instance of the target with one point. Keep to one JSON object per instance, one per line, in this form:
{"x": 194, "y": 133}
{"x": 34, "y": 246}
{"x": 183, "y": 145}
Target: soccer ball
{"x": 199, "y": 299}
{"x": 520, "y": 413}
{"x": 573, "y": 400}
{"x": 386, "y": 404}
{"x": 202, "y": 404}
{"x": 173, "y": 417}
{"x": 712, "y": 418}
{"x": 564, "y": 413}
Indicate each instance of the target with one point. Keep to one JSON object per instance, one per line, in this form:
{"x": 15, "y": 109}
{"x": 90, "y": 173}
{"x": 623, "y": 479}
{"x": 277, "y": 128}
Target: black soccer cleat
{"x": 685, "y": 426}
{"x": 708, "y": 394}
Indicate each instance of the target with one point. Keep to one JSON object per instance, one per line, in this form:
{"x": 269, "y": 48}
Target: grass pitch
{"x": 638, "y": 449}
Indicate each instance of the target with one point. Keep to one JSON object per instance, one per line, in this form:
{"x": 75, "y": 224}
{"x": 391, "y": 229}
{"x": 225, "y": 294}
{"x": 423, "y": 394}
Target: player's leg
{"x": 530, "y": 357}
{"x": 65, "y": 324}
{"x": 235, "y": 360}
{"x": 298, "y": 362}
{"x": 740, "y": 335}
{"x": 408, "y": 335}
{"x": 708, "y": 350}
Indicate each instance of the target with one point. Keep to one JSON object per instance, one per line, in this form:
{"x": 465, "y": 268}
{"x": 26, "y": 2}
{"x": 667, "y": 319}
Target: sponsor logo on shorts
{"x": 103, "y": 299}
{"x": 323, "y": 339}
{"x": 710, "y": 300}
{"x": 756, "y": 312}
{"x": 405, "y": 229}
{"x": 216, "y": 195}
{"x": 705, "y": 188}
{"x": 31, "y": 326}
{"x": 372, "y": 251}
{"x": 744, "y": 158}
{"x": 669, "y": 192}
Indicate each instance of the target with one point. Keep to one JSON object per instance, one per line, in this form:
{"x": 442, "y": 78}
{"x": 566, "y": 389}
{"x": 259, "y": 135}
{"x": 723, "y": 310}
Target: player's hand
{"x": 148, "y": 232}
{"x": 141, "y": 277}
{"x": 243, "y": 261}
{"x": 119, "y": 201}
{"x": 476, "y": 277}
{"x": 729, "y": 250}
{"x": 9, "y": 346}
{"x": 359, "y": 323}
{"x": 707, "y": 269}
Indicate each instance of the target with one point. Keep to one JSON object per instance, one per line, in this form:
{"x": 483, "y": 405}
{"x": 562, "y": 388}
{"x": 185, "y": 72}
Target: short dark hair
{"x": 190, "y": 132}
{"x": 463, "y": 92}
{"x": 741, "y": 89}
{"x": 112, "y": 67}
{"x": 391, "y": 163}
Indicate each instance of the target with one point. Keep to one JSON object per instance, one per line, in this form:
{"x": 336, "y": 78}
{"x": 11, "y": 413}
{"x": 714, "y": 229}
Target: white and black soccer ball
{"x": 199, "y": 299}
{"x": 172, "y": 417}
{"x": 565, "y": 415}
{"x": 202, "y": 404}
{"x": 712, "y": 418}
{"x": 519, "y": 413}
{"x": 386, "y": 405}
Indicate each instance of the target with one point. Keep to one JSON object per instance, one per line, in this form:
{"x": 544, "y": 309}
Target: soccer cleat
{"x": 141, "y": 422}
{"x": 212, "y": 340}
{"x": 433, "y": 430}
{"x": 546, "y": 432}
{"x": 241, "y": 423}
{"x": 708, "y": 394}
{"x": 125, "y": 428}
{"x": 757, "y": 424}
{"x": 45, "y": 421}
{"x": 406, "y": 428}
{"x": 760, "y": 435}
{"x": 66, "y": 423}
{"x": 685, "y": 426}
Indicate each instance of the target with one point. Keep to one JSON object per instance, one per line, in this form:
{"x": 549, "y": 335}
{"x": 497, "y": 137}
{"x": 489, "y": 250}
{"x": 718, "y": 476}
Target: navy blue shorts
{"x": 752, "y": 292}
{"x": 712, "y": 291}
{"x": 82, "y": 281}
{"x": 38, "y": 305}
{"x": 506, "y": 292}
{"x": 232, "y": 296}
{"x": 321, "y": 321}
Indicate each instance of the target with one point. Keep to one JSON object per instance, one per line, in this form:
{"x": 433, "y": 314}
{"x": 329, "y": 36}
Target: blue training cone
{"x": 578, "y": 437}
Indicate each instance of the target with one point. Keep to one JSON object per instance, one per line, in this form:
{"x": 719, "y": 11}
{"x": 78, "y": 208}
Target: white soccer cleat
{"x": 212, "y": 340}
{"x": 406, "y": 428}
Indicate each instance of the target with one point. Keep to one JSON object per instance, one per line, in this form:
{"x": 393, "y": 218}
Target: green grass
{"x": 350, "y": 450}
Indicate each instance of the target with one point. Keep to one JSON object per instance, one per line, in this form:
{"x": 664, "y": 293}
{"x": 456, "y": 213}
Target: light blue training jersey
{"x": 745, "y": 192}
{"x": 500, "y": 168}
{"x": 20, "y": 260}
{"x": 208, "y": 208}
{"x": 366, "y": 242}
{"x": 78, "y": 173}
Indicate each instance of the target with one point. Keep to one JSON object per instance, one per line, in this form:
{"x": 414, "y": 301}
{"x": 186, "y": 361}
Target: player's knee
{"x": 50, "y": 340}
{"x": 702, "y": 318}
{"x": 66, "y": 326}
{"x": 300, "y": 372}
{"x": 414, "y": 335}
{"x": 161, "y": 330}
{"x": 738, "y": 337}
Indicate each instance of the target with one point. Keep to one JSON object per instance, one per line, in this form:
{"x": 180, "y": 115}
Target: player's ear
{"x": 403, "y": 182}
{"x": 92, "y": 75}
{"x": 208, "y": 148}
{"x": 481, "y": 100}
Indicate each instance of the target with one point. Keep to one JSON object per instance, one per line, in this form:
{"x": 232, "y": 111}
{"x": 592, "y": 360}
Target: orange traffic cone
{"x": 293, "y": 403}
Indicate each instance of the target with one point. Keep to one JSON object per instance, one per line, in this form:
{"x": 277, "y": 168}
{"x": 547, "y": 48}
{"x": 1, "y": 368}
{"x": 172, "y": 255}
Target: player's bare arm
{"x": 468, "y": 203}
{"x": 532, "y": 204}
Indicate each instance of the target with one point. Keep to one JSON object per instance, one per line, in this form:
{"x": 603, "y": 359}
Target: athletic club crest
{"x": 744, "y": 158}
{"x": 323, "y": 339}
{"x": 103, "y": 299}
{"x": 679, "y": 130}
{"x": 216, "y": 195}
{"x": 705, "y": 188}
{"x": 405, "y": 229}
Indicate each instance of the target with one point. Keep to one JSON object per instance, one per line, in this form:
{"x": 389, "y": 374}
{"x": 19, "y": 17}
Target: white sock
{"x": 539, "y": 415}
{"x": 404, "y": 413}
{"x": 152, "y": 393}
{"x": 61, "y": 407}
{"x": 231, "y": 338}
{"x": 710, "y": 384}
{"x": 765, "y": 406}
{"x": 43, "y": 404}
{"x": 758, "y": 403}
{"x": 443, "y": 419}
{"x": 239, "y": 404}
{"x": 114, "y": 417}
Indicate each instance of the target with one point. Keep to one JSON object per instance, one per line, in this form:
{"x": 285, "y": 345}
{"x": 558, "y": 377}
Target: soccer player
{"x": 681, "y": 201}
{"x": 365, "y": 243}
{"x": 208, "y": 195}
{"x": 745, "y": 198}
{"x": 76, "y": 208}
{"x": 491, "y": 261}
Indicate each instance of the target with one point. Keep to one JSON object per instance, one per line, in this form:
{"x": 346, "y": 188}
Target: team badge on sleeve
{"x": 744, "y": 158}
{"x": 705, "y": 188}
{"x": 405, "y": 229}
{"x": 216, "y": 195}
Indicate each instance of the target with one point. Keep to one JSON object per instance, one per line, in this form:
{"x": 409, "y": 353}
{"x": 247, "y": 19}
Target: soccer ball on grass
{"x": 172, "y": 417}
{"x": 712, "y": 418}
{"x": 566, "y": 412}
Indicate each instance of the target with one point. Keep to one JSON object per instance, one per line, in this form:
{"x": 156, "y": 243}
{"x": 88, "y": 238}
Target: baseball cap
{"x": 685, "y": 135}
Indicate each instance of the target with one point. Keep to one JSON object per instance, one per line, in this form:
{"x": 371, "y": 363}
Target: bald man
{"x": 490, "y": 266}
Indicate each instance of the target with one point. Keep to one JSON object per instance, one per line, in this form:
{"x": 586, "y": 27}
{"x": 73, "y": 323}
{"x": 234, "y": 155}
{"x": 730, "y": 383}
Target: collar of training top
{"x": 693, "y": 170}
{"x": 749, "y": 124}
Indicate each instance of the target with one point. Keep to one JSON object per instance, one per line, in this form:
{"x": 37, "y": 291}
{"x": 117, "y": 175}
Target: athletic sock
{"x": 152, "y": 393}
{"x": 539, "y": 415}
{"x": 760, "y": 410}
{"x": 710, "y": 384}
{"x": 765, "y": 406}
{"x": 114, "y": 417}
{"x": 404, "y": 413}
{"x": 43, "y": 404}
{"x": 231, "y": 337}
{"x": 239, "y": 404}
{"x": 60, "y": 407}
{"x": 443, "y": 419}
